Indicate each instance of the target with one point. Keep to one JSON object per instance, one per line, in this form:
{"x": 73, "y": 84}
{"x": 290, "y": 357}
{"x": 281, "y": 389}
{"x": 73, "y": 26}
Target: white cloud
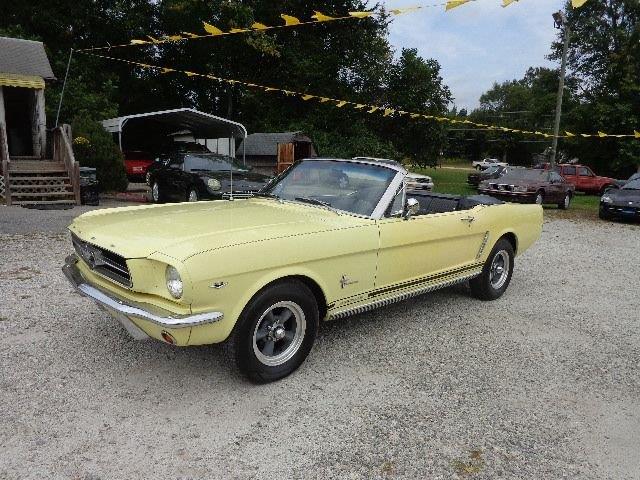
{"x": 479, "y": 43}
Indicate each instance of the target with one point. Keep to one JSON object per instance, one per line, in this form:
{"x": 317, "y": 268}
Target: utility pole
{"x": 560, "y": 21}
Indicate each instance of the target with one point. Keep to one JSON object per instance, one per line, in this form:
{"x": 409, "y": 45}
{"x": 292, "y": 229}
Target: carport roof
{"x": 201, "y": 124}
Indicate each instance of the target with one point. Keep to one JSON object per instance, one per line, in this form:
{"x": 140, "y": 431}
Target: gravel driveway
{"x": 543, "y": 383}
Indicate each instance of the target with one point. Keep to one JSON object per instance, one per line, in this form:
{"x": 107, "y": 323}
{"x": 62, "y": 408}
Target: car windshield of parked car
{"x": 635, "y": 176}
{"x": 527, "y": 174}
{"x": 493, "y": 169}
{"x": 348, "y": 186}
{"x": 211, "y": 163}
{"x": 632, "y": 185}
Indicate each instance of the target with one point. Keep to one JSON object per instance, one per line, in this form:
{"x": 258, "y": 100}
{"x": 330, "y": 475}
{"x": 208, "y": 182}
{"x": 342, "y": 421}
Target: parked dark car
{"x": 622, "y": 203}
{"x": 495, "y": 171}
{"x": 199, "y": 176}
{"x": 89, "y": 187}
{"x": 530, "y": 186}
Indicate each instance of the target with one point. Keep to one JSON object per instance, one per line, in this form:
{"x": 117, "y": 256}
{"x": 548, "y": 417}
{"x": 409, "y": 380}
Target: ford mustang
{"x": 260, "y": 273}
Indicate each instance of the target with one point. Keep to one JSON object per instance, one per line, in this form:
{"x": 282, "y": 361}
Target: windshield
{"x": 632, "y": 185}
{"x": 527, "y": 174}
{"x": 211, "y": 163}
{"x": 349, "y": 186}
{"x": 492, "y": 169}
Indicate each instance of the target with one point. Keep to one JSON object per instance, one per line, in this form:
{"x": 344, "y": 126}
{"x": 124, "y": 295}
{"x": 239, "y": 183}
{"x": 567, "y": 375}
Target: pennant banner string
{"x": 363, "y": 107}
{"x": 290, "y": 21}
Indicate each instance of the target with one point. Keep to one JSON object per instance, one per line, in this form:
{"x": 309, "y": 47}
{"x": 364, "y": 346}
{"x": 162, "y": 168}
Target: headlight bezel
{"x": 174, "y": 282}
{"x": 214, "y": 184}
{"x": 606, "y": 199}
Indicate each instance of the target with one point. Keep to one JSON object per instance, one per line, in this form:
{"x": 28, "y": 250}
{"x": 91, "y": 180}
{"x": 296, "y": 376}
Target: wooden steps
{"x": 39, "y": 182}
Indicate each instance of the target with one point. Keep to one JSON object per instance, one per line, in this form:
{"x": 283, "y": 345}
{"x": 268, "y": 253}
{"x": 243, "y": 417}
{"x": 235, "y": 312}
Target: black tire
{"x": 245, "y": 346}
{"x": 603, "y": 215}
{"x": 539, "y": 198}
{"x": 482, "y": 287}
{"x": 566, "y": 202}
{"x": 192, "y": 195}
{"x": 156, "y": 194}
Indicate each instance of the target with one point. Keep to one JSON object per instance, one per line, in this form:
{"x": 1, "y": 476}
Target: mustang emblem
{"x": 344, "y": 281}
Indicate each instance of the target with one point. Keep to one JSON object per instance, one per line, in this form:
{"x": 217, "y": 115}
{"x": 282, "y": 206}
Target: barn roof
{"x": 266, "y": 144}
{"x": 24, "y": 57}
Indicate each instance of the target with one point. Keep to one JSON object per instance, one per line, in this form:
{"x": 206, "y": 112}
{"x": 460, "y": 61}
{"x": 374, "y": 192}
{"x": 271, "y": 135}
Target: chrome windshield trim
{"x": 153, "y": 314}
{"x": 389, "y": 195}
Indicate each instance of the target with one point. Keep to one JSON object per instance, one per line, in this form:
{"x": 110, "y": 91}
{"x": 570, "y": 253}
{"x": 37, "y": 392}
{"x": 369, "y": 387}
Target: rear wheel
{"x": 496, "y": 273}
{"x": 275, "y": 332}
{"x": 566, "y": 202}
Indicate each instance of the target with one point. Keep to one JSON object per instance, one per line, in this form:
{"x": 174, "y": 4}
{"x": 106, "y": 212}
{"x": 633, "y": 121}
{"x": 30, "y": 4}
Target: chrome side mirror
{"x": 412, "y": 208}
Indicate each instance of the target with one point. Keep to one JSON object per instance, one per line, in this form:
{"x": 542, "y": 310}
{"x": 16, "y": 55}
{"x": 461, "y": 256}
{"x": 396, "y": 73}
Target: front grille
{"x": 102, "y": 261}
{"x": 501, "y": 187}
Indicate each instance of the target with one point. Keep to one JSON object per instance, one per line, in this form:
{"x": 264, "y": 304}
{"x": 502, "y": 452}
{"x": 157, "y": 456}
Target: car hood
{"x": 186, "y": 229}
{"x": 625, "y": 196}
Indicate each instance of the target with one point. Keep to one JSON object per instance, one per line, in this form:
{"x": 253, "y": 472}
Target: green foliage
{"x": 94, "y": 147}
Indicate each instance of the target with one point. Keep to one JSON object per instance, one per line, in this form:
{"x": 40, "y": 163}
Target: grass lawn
{"x": 454, "y": 180}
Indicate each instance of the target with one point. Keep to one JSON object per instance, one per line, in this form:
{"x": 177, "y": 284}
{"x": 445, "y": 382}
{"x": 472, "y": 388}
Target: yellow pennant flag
{"x": 191, "y": 74}
{"x": 578, "y": 3}
{"x": 324, "y": 99}
{"x": 569, "y": 134}
{"x": 360, "y": 14}
{"x": 289, "y": 20}
{"x": 193, "y": 35}
{"x": 506, "y": 3}
{"x": 307, "y": 97}
{"x": 173, "y": 38}
{"x": 373, "y": 109}
{"x": 167, "y": 70}
{"x": 400, "y": 11}
{"x": 414, "y": 115}
{"x": 211, "y": 30}
{"x": 602, "y": 134}
{"x": 636, "y": 134}
{"x": 259, "y": 26}
{"x": 359, "y": 106}
{"x": 138, "y": 42}
{"x": 341, "y": 103}
{"x": 238, "y": 30}
{"x": 152, "y": 39}
{"x": 585, "y": 135}
{"x": 388, "y": 111}
{"x": 451, "y": 4}
{"x": 321, "y": 17}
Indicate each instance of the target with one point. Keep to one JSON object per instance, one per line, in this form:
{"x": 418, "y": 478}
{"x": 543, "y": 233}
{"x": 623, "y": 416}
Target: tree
{"x": 604, "y": 55}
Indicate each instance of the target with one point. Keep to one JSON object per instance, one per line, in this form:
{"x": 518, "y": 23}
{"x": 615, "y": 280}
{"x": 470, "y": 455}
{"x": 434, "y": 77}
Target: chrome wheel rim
{"x": 193, "y": 196}
{"x": 155, "y": 191}
{"x": 567, "y": 201}
{"x": 539, "y": 199}
{"x": 279, "y": 333}
{"x": 499, "y": 271}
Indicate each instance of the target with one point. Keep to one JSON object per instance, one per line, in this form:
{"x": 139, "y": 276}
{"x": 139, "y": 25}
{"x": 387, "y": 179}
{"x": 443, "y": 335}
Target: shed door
{"x": 285, "y": 156}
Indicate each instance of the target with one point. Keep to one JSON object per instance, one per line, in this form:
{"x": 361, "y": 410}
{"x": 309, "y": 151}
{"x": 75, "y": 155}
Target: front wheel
{"x": 496, "y": 273}
{"x": 275, "y": 332}
{"x": 539, "y": 198}
{"x": 192, "y": 195}
{"x": 156, "y": 194}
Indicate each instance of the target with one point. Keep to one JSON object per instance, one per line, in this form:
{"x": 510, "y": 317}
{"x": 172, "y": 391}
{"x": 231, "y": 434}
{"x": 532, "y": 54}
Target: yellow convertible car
{"x": 326, "y": 239}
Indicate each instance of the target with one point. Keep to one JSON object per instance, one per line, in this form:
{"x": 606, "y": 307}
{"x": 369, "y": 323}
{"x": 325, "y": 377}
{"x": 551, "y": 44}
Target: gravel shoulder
{"x": 543, "y": 383}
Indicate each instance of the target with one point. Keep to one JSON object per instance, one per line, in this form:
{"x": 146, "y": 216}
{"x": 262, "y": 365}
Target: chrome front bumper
{"x": 124, "y": 310}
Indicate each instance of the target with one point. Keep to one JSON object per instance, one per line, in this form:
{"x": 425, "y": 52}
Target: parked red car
{"x": 583, "y": 178}
{"x": 136, "y": 164}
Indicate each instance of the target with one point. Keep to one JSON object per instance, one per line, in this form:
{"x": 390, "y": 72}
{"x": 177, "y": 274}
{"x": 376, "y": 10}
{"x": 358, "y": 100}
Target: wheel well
{"x": 513, "y": 240}
{"x": 311, "y": 285}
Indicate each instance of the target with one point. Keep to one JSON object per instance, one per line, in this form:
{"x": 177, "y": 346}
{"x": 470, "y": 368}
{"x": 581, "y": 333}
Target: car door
{"x": 569, "y": 174}
{"x": 174, "y": 180}
{"x": 556, "y": 187}
{"x": 428, "y": 245}
{"x": 587, "y": 179}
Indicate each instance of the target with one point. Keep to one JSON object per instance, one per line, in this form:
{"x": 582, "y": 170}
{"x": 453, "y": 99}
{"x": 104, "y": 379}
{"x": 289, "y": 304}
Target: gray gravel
{"x": 543, "y": 383}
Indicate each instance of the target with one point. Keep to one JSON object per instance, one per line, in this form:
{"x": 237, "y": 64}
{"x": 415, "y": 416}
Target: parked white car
{"x": 415, "y": 181}
{"x": 488, "y": 162}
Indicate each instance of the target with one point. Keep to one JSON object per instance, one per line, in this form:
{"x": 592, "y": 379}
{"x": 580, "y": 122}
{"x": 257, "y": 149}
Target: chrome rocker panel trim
{"x": 159, "y": 316}
{"x": 399, "y": 297}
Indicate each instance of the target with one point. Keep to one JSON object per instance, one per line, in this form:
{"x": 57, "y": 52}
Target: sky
{"x": 480, "y": 42}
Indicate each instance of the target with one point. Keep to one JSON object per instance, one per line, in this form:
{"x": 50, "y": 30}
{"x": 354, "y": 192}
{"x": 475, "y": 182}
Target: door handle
{"x": 467, "y": 219}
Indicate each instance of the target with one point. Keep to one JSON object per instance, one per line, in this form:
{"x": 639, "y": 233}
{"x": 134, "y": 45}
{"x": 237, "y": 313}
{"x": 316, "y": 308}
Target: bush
{"x": 94, "y": 147}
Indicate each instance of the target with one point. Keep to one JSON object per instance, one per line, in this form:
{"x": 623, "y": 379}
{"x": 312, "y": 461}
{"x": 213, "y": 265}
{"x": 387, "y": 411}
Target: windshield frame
{"x": 385, "y": 200}
{"x": 636, "y": 185}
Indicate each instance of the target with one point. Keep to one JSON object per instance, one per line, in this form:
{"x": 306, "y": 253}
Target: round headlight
{"x": 213, "y": 184}
{"x": 174, "y": 282}
{"x": 606, "y": 199}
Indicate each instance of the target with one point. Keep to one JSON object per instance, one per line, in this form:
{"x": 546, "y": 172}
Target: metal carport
{"x": 202, "y": 125}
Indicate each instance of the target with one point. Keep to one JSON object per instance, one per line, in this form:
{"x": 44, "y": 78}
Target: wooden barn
{"x": 34, "y": 173}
